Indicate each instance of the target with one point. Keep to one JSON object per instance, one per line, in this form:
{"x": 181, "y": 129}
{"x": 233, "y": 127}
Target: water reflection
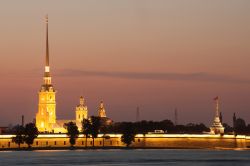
{"x": 126, "y": 157}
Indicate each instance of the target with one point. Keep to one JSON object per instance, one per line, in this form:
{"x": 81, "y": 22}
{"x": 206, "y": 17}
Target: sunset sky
{"x": 155, "y": 54}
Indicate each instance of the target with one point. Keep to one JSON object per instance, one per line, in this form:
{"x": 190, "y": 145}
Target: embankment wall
{"x": 141, "y": 141}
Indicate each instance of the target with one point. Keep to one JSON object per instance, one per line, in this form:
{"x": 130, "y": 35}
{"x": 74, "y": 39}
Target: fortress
{"x": 52, "y": 131}
{"x": 46, "y": 120}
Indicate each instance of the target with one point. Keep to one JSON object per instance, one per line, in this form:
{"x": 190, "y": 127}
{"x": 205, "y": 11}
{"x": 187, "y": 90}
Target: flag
{"x": 216, "y": 98}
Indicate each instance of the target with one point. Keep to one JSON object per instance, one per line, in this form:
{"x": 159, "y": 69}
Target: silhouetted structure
{"x": 221, "y": 120}
{"x": 234, "y": 121}
{"x": 137, "y": 118}
{"x": 23, "y": 120}
{"x": 175, "y": 117}
{"x": 217, "y": 127}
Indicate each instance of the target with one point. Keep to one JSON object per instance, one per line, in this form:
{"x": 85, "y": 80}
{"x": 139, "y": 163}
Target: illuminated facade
{"x": 101, "y": 111}
{"x": 46, "y": 115}
{"x": 81, "y": 111}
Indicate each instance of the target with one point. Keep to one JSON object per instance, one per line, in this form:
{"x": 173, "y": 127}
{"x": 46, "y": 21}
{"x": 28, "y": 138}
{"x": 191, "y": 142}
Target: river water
{"x": 116, "y": 157}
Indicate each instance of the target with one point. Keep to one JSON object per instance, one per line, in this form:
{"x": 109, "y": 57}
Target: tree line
{"x": 25, "y": 134}
{"x": 95, "y": 125}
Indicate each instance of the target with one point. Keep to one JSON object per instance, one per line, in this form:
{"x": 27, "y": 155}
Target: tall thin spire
{"x": 47, "y": 41}
{"x": 175, "y": 116}
{"x": 217, "y": 112}
{"x": 137, "y": 118}
{"x": 47, "y": 77}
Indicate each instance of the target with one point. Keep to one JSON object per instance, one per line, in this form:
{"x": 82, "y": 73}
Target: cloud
{"x": 199, "y": 76}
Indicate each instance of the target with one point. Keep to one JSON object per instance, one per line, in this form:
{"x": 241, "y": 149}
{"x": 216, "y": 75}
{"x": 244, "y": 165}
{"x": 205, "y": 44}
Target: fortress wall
{"x": 248, "y": 141}
{"x": 62, "y": 141}
{"x": 141, "y": 141}
{"x": 191, "y": 141}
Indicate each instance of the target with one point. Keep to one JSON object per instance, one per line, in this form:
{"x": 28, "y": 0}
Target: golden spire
{"x": 47, "y": 77}
{"x": 47, "y": 41}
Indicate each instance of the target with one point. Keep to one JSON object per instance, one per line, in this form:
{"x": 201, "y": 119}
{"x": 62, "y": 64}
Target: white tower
{"x": 217, "y": 127}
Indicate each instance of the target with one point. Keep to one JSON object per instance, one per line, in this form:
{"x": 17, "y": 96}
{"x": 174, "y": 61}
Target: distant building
{"x": 101, "y": 111}
{"x": 217, "y": 127}
{"x": 3, "y": 130}
{"x": 81, "y": 111}
{"x": 102, "y": 114}
{"x": 46, "y": 120}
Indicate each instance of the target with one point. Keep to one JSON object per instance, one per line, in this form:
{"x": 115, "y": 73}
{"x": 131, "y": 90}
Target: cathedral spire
{"x": 47, "y": 77}
{"x": 47, "y": 41}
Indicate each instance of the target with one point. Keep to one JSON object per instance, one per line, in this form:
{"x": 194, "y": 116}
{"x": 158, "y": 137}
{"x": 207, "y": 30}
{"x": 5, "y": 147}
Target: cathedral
{"x": 46, "y": 121}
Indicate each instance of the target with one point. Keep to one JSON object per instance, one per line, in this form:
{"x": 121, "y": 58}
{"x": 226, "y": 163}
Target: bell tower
{"x": 81, "y": 111}
{"x": 101, "y": 110}
{"x": 46, "y": 115}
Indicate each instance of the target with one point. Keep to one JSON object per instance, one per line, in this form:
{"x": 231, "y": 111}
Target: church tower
{"x": 46, "y": 115}
{"x": 101, "y": 110}
{"x": 81, "y": 111}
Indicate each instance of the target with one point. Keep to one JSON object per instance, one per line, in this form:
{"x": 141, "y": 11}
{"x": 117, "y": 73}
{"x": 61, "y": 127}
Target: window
{"x": 42, "y": 124}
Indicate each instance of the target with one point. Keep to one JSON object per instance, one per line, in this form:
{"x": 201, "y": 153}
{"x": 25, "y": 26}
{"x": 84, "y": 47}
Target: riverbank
{"x": 147, "y": 141}
{"x": 112, "y": 148}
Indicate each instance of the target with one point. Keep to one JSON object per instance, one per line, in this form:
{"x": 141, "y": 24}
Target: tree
{"x": 95, "y": 127}
{"x": 104, "y": 130}
{"x": 128, "y": 133}
{"x": 240, "y": 126}
{"x": 227, "y": 128}
{"x": 31, "y": 133}
{"x": 86, "y": 128}
{"x": 72, "y": 132}
{"x": 19, "y": 138}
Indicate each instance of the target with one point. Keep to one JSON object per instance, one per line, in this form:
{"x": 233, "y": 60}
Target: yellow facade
{"x": 141, "y": 141}
{"x": 101, "y": 110}
{"x": 46, "y": 116}
{"x": 46, "y": 120}
{"x": 81, "y": 111}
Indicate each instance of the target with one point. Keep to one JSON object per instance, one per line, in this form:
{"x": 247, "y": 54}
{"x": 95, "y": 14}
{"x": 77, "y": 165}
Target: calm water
{"x": 126, "y": 157}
